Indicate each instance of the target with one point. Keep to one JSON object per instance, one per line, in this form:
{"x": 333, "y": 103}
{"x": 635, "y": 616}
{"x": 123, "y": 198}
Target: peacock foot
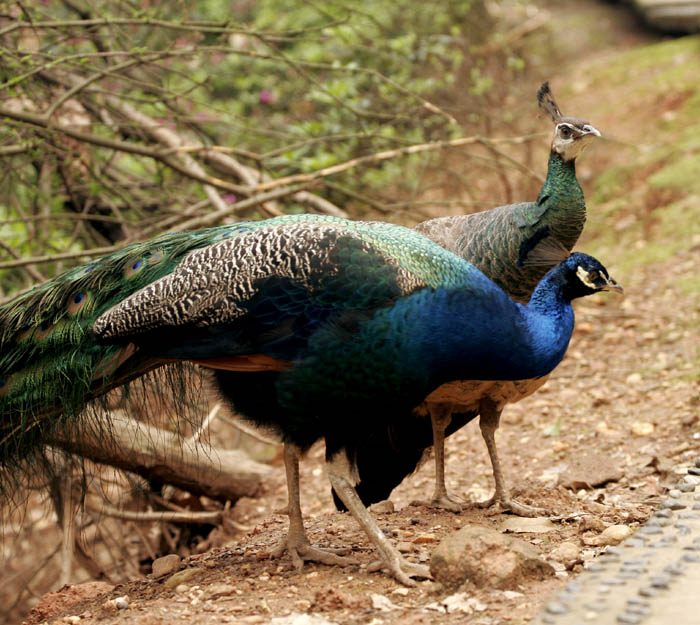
{"x": 440, "y": 503}
{"x": 506, "y": 504}
{"x": 401, "y": 570}
{"x": 300, "y": 550}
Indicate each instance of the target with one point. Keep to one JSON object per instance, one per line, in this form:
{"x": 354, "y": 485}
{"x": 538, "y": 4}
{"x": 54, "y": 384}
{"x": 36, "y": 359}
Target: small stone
{"x": 682, "y": 528}
{"x": 634, "y": 378}
{"x": 629, "y": 619}
{"x": 650, "y": 530}
{"x": 181, "y": 577}
{"x": 642, "y": 428}
{"x": 660, "y": 581}
{"x": 673, "y": 505}
{"x": 425, "y": 538}
{"x": 182, "y": 588}
{"x": 694, "y": 471}
{"x": 382, "y": 507}
{"x": 690, "y": 557}
{"x": 648, "y": 591}
{"x": 614, "y": 534}
{"x": 405, "y": 547}
{"x": 686, "y": 487}
{"x": 165, "y": 565}
{"x": 675, "y": 570}
{"x": 557, "y": 608}
{"x": 116, "y": 604}
{"x": 220, "y": 590}
{"x": 566, "y": 552}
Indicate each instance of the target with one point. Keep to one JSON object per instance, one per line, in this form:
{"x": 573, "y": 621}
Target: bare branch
{"x": 123, "y": 146}
{"x": 383, "y": 156}
{"x": 104, "y": 509}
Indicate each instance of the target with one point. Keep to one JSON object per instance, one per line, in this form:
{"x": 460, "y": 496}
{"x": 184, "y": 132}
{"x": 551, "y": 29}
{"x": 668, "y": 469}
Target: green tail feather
{"x": 51, "y": 368}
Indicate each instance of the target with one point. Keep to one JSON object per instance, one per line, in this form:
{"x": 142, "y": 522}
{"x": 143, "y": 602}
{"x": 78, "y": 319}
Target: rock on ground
{"x": 487, "y": 558}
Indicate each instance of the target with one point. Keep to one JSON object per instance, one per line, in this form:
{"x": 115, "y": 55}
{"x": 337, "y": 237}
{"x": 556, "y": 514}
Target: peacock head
{"x": 571, "y": 134}
{"x": 584, "y": 275}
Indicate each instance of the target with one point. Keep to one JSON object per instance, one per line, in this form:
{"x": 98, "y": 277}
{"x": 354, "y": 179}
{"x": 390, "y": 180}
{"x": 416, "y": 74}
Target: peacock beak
{"x": 612, "y": 285}
{"x": 591, "y": 130}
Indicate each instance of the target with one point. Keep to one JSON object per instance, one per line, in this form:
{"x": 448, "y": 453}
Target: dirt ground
{"x": 599, "y": 445}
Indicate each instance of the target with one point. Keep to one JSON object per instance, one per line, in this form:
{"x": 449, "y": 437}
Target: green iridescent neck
{"x": 561, "y": 185}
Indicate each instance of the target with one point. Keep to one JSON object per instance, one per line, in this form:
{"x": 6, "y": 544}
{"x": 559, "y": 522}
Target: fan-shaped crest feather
{"x": 546, "y": 101}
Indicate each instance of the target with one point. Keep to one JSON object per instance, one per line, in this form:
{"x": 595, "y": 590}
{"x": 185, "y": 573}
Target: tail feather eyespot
{"x": 133, "y": 267}
{"x": 77, "y": 302}
{"x": 155, "y": 257}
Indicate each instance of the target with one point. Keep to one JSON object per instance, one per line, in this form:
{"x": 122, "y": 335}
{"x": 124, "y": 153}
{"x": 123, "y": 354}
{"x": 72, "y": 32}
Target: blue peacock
{"x": 318, "y": 327}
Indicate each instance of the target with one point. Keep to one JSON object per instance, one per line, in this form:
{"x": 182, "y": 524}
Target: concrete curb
{"x": 651, "y": 578}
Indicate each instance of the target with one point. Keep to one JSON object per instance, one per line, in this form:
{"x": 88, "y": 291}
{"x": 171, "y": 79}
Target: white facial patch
{"x": 583, "y": 276}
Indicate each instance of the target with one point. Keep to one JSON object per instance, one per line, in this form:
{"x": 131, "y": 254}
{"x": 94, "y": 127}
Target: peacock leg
{"x": 342, "y": 480}
{"x": 440, "y": 417}
{"x": 490, "y": 417}
{"x": 296, "y": 542}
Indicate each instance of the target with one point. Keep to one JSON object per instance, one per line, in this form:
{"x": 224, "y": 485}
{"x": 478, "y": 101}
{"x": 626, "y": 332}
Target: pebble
{"x": 660, "y": 581}
{"x": 628, "y": 618}
{"x": 382, "y": 507}
{"x": 673, "y": 505}
{"x": 557, "y": 608}
{"x": 566, "y": 552}
{"x": 614, "y": 535}
{"x": 165, "y": 565}
{"x": 425, "y": 538}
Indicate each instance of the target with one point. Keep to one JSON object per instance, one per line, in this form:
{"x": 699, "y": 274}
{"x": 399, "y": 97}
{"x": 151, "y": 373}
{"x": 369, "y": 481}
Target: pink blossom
{"x": 265, "y": 97}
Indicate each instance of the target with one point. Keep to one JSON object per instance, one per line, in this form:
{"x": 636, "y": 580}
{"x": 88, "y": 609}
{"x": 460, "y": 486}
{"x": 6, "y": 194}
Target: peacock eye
{"x": 593, "y": 275}
{"x": 77, "y": 302}
{"x": 134, "y": 267}
{"x": 565, "y": 131}
{"x": 155, "y": 258}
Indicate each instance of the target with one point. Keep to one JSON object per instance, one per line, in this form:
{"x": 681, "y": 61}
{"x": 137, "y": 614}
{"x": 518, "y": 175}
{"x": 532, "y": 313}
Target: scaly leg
{"x": 343, "y": 480}
{"x": 296, "y": 542}
{"x": 440, "y": 417}
{"x": 490, "y": 418}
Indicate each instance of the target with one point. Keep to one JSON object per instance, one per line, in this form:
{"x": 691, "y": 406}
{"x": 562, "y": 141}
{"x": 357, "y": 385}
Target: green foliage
{"x": 290, "y": 87}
